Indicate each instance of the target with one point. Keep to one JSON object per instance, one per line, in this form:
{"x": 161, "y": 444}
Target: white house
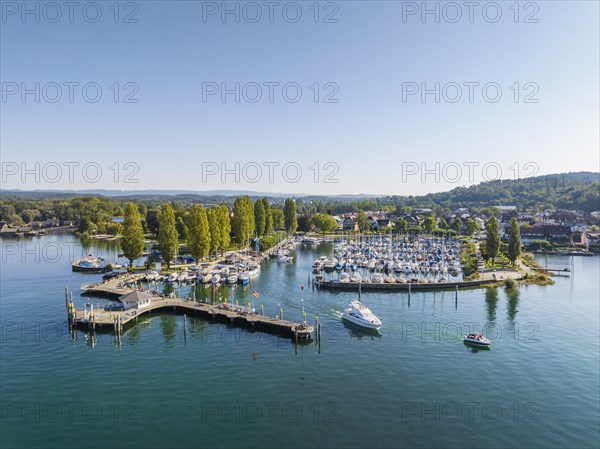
{"x": 135, "y": 300}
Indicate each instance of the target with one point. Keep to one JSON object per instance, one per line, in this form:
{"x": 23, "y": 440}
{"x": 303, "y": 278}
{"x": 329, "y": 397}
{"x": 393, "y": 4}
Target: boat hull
{"x": 361, "y": 323}
{"x": 479, "y": 344}
{"x": 80, "y": 269}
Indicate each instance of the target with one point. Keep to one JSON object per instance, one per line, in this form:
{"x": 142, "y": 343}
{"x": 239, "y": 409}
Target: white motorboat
{"x": 361, "y": 315}
{"x": 253, "y": 270}
{"x": 477, "y": 340}
{"x": 152, "y": 276}
{"x": 215, "y": 279}
{"x": 232, "y": 279}
{"x": 356, "y": 277}
{"x": 244, "y": 278}
{"x": 172, "y": 278}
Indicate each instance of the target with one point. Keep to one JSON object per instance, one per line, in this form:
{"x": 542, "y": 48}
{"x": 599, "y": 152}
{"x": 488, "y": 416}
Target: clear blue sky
{"x": 368, "y": 54}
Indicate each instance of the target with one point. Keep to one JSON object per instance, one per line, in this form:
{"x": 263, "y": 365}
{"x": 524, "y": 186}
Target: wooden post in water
{"x": 317, "y": 328}
{"x": 262, "y": 309}
{"x": 281, "y": 313}
{"x": 409, "y": 283}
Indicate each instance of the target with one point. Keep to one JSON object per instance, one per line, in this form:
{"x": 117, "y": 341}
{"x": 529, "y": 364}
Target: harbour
{"x": 417, "y": 358}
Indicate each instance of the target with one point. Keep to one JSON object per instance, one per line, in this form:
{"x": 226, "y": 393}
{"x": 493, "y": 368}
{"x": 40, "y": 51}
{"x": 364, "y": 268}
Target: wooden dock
{"x": 94, "y": 319}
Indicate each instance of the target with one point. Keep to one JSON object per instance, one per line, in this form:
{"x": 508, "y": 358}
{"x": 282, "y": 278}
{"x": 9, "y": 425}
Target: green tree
{"x": 85, "y": 225}
{"x": 132, "y": 243}
{"x": 115, "y": 229}
{"x": 182, "y": 228}
{"x": 430, "y": 224}
{"x": 492, "y": 238}
{"x": 324, "y": 223}
{"x": 278, "y": 218}
{"x": 363, "y": 222}
{"x": 224, "y": 221}
{"x": 514, "y": 241}
{"x": 152, "y": 220}
{"x": 290, "y": 220}
{"x": 199, "y": 239}
{"x": 443, "y": 224}
{"x": 168, "y": 239}
{"x": 402, "y": 225}
{"x": 259, "y": 217}
{"x": 214, "y": 229}
{"x": 457, "y": 225}
{"x": 243, "y": 224}
{"x": 268, "y": 217}
{"x": 471, "y": 226}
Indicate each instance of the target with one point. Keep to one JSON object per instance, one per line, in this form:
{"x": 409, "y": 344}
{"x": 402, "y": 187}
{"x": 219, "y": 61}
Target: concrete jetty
{"x": 224, "y": 312}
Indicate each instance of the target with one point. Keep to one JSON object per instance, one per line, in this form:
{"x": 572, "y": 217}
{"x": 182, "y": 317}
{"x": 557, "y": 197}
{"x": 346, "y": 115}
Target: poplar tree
{"x": 259, "y": 217}
{"x": 132, "y": 243}
{"x": 224, "y": 224}
{"x": 268, "y": 217}
{"x": 214, "y": 227}
{"x": 514, "y": 240}
{"x": 199, "y": 239}
{"x": 243, "y": 219}
{"x": 289, "y": 216}
{"x": 493, "y": 238}
{"x": 168, "y": 239}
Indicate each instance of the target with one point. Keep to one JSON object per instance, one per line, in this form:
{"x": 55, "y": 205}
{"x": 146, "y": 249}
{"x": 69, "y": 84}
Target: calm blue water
{"x": 415, "y": 385}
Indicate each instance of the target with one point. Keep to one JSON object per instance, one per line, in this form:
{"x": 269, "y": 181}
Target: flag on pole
{"x": 255, "y": 293}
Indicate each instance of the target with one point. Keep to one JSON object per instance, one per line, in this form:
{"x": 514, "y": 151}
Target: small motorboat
{"x": 232, "y": 279}
{"x": 477, "y": 340}
{"x": 89, "y": 264}
{"x": 172, "y": 278}
{"x": 361, "y": 315}
{"x": 244, "y": 278}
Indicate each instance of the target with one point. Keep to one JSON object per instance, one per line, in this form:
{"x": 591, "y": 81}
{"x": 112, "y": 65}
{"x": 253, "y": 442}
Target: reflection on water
{"x": 476, "y": 349}
{"x": 513, "y": 302}
{"x": 491, "y": 303}
{"x": 198, "y": 329}
{"x": 168, "y": 326}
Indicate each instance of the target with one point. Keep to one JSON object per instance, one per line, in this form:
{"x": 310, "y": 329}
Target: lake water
{"x": 415, "y": 385}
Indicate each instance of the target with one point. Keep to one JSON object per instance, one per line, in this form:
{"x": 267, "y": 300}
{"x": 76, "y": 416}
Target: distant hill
{"x": 580, "y": 190}
{"x": 169, "y": 195}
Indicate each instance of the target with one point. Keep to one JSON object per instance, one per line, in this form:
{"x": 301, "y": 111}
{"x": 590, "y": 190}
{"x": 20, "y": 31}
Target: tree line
{"x": 205, "y": 230}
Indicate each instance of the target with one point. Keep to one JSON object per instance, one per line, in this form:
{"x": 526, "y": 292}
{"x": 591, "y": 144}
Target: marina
{"x": 419, "y": 344}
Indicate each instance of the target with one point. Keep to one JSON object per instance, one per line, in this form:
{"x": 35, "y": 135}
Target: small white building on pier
{"x": 135, "y": 300}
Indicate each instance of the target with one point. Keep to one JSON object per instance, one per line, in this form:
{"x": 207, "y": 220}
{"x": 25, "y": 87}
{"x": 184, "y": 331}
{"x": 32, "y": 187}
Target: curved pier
{"x": 226, "y": 313}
